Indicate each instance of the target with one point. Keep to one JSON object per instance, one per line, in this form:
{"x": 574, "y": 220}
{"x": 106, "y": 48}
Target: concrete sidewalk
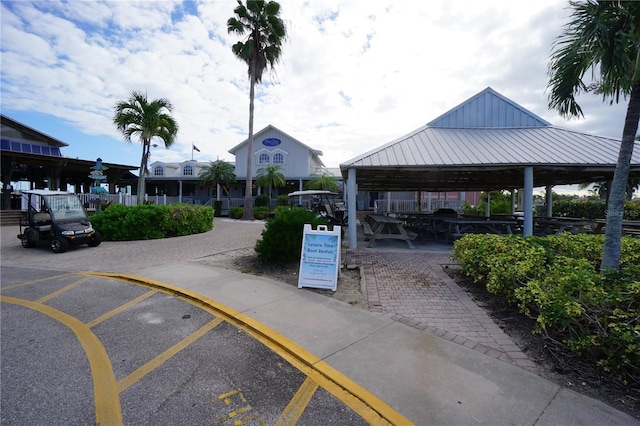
{"x": 426, "y": 378}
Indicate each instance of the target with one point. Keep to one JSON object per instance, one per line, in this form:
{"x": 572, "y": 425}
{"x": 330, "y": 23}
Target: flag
{"x": 195, "y": 148}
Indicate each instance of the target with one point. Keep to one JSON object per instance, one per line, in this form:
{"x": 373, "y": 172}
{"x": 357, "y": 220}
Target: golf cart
{"x": 325, "y": 203}
{"x": 56, "y": 219}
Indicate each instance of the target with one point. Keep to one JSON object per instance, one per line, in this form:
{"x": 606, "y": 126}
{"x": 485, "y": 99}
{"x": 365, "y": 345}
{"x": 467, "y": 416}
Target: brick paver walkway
{"x": 412, "y": 288}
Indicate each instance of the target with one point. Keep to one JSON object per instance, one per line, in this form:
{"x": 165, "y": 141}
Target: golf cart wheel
{"x": 95, "y": 240}
{"x": 59, "y": 244}
{"x": 26, "y": 243}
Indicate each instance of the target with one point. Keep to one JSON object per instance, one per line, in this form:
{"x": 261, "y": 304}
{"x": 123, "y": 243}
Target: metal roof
{"x": 486, "y": 152}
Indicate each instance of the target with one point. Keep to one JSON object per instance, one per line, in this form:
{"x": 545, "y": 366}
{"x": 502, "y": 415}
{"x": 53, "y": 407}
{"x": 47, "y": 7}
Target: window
{"x": 263, "y": 159}
{"x": 158, "y": 171}
{"x": 187, "y": 170}
{"x": 278, "y": 158}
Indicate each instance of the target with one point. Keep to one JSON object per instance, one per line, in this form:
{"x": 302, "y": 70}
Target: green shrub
{"x": 261, "y": 213}
{"x": 148, "y": 221}
{"x": 557, "y": 281}
{"x": 283, "y": 200}
{"x": 280, "y": 209}
{"x": 236, "y": 212}
{"x": 282, "y": 236}
{"x": 631, "y": 210}
{"x": 586, "y": 209}
{"x": 262, "y": 200}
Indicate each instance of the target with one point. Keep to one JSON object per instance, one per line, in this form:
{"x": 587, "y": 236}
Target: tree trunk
{"x": 615, "y": 208}
{"x": 248, "y": 193}
{"x": 141, "y": 173}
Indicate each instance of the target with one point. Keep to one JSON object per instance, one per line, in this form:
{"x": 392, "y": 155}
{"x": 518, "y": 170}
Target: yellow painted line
{"x": 147, "y": 368}
{"x": 121, "y": 308}
{"x": 63, "y": 289}
{"x": 36, "y": 281}
{"x": 371, "y": 408}
{"x": 105, "y": 392}
{"x": 298, "y": 403}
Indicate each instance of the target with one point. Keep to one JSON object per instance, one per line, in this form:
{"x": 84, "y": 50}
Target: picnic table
{"x": 458, "y": 227}
{"x": 380, "y": 227}
{"x": 629, "y": 227}
{"x": 557, "y": 225}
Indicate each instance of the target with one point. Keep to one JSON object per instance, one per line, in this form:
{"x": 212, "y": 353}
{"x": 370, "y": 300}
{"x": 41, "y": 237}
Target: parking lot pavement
{"x": 80, "y": 349}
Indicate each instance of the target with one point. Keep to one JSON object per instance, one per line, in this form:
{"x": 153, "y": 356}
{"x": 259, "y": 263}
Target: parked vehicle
{"x": 56, "y": 219}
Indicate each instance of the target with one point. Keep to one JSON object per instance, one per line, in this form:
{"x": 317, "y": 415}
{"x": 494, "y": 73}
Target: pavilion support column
{"x": 180, "y": 191}
{"x": 549, "y": 200}
{"x": 487, "y": 204}
{"x": 351, "y": 208}
{"x": 528, "y": 202}
{"x": 388, "y": 201}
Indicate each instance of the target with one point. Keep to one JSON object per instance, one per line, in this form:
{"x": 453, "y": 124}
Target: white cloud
{"x": 354, "y": 74}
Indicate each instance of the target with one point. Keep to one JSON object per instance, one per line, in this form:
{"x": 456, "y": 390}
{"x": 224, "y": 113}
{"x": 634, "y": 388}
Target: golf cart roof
{"x": 45, "y": 192}
{"x": 311, "y": 192}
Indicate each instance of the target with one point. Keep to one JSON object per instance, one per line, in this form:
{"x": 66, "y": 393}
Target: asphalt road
{"x": 79, "y": 348}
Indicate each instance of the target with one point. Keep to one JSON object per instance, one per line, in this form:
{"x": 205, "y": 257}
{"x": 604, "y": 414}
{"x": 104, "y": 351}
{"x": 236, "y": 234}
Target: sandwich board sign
{"x": 320, "y": 259}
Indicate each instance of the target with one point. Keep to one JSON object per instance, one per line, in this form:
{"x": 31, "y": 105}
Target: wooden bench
{"x": 366, "y": 228}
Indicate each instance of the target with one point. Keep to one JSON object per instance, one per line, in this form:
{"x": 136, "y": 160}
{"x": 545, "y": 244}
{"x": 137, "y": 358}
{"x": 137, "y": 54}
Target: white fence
{"x": 427, "y": 206}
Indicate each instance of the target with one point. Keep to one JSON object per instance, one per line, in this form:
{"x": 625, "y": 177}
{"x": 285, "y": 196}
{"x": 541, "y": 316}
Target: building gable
{"x": 272, "y": 146}
{"x": 488, "y": 109}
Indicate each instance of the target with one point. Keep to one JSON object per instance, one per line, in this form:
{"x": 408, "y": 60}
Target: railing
{"x": 427, "y": 206}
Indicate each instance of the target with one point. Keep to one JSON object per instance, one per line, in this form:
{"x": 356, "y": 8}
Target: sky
{"x": 354, "y": 74}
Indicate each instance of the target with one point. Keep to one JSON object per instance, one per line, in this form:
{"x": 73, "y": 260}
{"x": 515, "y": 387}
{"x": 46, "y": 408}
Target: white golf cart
{"x": 57, "y": 219}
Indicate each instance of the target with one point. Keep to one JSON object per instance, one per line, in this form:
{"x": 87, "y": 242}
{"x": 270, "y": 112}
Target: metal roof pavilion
{"x": 484, "y": 144}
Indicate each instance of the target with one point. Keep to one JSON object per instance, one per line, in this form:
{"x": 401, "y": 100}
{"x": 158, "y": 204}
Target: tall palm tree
{"x": 603, "y": 37}
{"x": 270, "y": 177}
{"x": 325, "y": 181}
{"x": 261, "y": 49}
{"x": 218, "y": 172}
{"x": 137, "y": 116}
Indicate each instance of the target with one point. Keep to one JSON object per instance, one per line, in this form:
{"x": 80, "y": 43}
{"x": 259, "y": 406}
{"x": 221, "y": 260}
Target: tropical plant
{"x": 261, "y": 49}
{"x": 325, "y": 181}
{"x": 137, "y": 116}
{"x": 603, "y": 37}
{"x": 218, "y": 172}
{"x": 271, "y": 177}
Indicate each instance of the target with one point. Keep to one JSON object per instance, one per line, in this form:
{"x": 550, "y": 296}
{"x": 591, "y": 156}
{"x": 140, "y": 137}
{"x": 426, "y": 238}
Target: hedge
{"x": 557, "y": 281}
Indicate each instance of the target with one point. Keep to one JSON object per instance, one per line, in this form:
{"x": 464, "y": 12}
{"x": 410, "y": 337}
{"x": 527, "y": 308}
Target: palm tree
{"x": 261, "y": 49}
{"x": 603, "y": 37}
{"x": 147, "y": 120}
{"x": 270, "y": 176}
{"x": 218, "y": 172}
{"x": 325, "y": 181}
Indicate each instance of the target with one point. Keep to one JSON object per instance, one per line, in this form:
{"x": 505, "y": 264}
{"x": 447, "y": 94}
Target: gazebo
{"x": 486, "y": 143}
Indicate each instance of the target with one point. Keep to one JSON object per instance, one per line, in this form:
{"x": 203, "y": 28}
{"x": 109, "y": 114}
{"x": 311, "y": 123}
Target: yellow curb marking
{"x": 367, "y": 405}
{"x": 105, "y": 392}
{"x": 36, "y": 281}
{"x": 142, "y": 371}
{"x": 121, "y": 308}
{"x": 63, "y": 289}
{"x": 298, "y": 403}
